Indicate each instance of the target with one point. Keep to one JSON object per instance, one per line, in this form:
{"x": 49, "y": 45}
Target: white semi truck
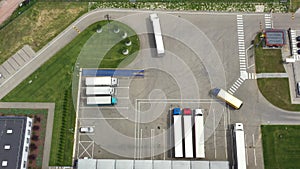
{"x": 188, "y": 136}
{"x": 178, "y": 144}
{"x": 239, "y": 146}
{"x": 101, "y": 81}
{"x": 103, "y": 90}
{"x": 101, "y": 100}
{"x": 157, "y": 34}
{"x": 199, "y": 134}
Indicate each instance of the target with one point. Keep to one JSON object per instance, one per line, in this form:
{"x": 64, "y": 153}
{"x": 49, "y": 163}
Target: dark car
{"x": 298, "y": 38}
{"x": 298, "y": 51}
{"x": 298, "y": 45}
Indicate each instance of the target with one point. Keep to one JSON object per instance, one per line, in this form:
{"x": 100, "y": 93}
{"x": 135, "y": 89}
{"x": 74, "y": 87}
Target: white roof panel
{"x": 106, "y": 164}
{"x": 87, "y": 163}
{"x": 124, "y": 164}
{"x": 219, "y": 164}
{"x": 142, "y": 164}
{"x": 200, "y": 164}
{"x": 162, "y": 164}
{"x": 181, "y": 164}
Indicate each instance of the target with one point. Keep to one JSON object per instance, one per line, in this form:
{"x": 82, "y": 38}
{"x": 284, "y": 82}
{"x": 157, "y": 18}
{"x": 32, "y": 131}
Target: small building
{"x": 14, "y": 141}
{"x": 275, "y": 37}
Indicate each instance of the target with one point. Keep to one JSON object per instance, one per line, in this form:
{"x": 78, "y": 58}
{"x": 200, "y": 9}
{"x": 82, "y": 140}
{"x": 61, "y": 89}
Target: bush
{"x": 32, "y": 146}
{"x": 35, "y": 127}
{"x": 35, "y": 138}
{"x": 32, "y": 157}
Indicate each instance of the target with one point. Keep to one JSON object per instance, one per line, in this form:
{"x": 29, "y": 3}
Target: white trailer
{"x": 103, "y": 100}
{"x": 240, "y": 146}
{"x": 100, "y": 90}
{"x": 101, "y": 81}
{"x": 157, "y": 34}
{"x": 178, "y": 136}
{"x": 228, "y": 98}
{"x": 199, "y": 134}
{"x": 188, "y": 136}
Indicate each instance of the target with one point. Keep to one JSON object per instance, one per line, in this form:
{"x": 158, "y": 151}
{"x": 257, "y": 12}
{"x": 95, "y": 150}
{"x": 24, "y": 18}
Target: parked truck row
{"x": 100, "y": 90}
{"x": 188, "y": 133}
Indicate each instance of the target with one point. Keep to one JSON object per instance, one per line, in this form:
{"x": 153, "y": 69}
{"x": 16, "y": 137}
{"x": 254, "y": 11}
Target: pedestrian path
{"x": 272, "y": 75}
{"x": 241, "y": 42}
{"x": 252, "y": 76}
{"x": 294, "y": 45}
{"x": 236, "y": 85}
{"x": 268, "y": 21}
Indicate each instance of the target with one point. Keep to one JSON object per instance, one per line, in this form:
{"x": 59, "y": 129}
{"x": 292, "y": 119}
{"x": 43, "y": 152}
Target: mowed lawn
{"x": 38, "y": 25}
{"x": 53, "y": 83}
{"x": 277, "y": 92}
{"x": 281, "y": 148}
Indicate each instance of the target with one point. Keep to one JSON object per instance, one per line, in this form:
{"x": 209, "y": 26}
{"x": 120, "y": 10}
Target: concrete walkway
{"x": 48, "y": 136}
{"x": 272, "y": 75}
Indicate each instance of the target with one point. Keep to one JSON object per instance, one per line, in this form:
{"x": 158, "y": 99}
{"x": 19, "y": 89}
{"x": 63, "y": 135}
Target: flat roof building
{"x": 275, "y": 37}
{"x": 15, "y": 134}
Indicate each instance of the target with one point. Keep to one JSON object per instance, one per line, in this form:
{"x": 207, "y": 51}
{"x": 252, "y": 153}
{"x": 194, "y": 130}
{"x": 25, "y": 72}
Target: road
{"x": 222, "y": 66}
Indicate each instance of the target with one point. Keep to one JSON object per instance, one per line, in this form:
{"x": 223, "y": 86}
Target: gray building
{"x": 150, "y": 164}
{"x": 14, "y": 141}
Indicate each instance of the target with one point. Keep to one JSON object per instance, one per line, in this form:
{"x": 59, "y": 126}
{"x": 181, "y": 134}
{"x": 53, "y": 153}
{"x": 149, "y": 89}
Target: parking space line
{"x": 135, "y": 119}
{"x": 93, "y": 149}
{"x": 246, "y": 149}
{"x": 164, "y": 140}
{"x": 122, "y": 87}
{"x": 105, "y": 118}
{"x": 225, "y": 132}
{"x": 215, "y": 144}
{"x": 254, "y": 152}
{"x": 123, "y": 97}
{"x": 151, "y": 144}
{"x": 141, "y": 144}
{"x": 93, "y": 107}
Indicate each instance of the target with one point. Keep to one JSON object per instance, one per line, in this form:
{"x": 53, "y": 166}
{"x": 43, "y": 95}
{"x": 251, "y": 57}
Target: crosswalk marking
{"x": 235, "y": 85}
{"x": 268, "y": 21}
{"x": 294, "y": 45}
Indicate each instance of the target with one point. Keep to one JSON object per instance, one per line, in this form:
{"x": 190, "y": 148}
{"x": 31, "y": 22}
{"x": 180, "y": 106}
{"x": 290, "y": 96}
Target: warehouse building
{"x": 14, "y": 141}
{"x": 150, "y": 164}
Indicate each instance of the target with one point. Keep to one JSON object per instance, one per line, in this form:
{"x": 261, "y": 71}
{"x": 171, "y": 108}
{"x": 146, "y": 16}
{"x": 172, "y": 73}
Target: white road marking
{"x": 225, "y": 132}
{"x": 105, "y": 118}
{"x": 246, "y": 150}
{"x": 214, "y": 127}
{"x": 141, "y": 144}
{"x": 164, "y": 140}
{"x": 254, "y": 153}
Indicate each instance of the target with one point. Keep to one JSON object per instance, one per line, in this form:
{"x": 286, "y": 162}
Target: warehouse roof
{"x": 150, "y": 164}
{"x": 12, "y": 131}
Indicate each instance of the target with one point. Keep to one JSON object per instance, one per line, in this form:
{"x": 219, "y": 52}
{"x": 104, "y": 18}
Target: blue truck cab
{"x": 114, "y": 100}
{"x": 176, "y": 111}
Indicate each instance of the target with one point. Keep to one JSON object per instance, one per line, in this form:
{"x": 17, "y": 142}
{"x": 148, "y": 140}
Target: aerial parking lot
{"x": 147, "y": 72}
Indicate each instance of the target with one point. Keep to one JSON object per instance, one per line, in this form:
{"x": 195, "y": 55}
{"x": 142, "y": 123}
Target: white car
{"x": 86, "y": 129}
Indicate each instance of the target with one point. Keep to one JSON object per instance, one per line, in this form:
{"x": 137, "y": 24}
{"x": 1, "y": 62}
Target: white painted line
{"x": 122, "y": 97}
{"x": 135, "y": 119}
{"x": 102, "y": 107}
{"x": 215, "y": 144}
{"x": 104, "y": 118}
{"x": 246, "y": 153}
{"x": 151, "y": 143}
{"x": 122, "y": 87}
{"x": 93, "y": 149}
{"x": 164, "y": 140}
{"x": 225, "y": 134}
{"x": 236, "y": 86}
{"x": 141, "y": 144}
{"x": 254, "y": 153}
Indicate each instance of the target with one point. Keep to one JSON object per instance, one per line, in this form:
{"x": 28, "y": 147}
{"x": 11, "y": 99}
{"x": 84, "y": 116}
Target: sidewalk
{"x": 49, "y": 126}
{"x": 272, "y": 75}
{"x": 7, "y": 7}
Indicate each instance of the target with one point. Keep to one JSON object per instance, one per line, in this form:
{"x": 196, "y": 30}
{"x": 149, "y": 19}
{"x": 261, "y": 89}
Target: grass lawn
{"x": 295, "y": 5}
{"x": 276, "y": 91}
{"x": 53, "y": 83}
{"x": 268, "y": 60}
{"x": 281, "y": 148}
{"x": 38, "y": 25}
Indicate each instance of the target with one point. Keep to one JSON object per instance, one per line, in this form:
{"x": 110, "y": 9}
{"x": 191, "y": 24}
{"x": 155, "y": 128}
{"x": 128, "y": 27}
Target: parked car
{"x": 298, "y": 45}
{"x": 187, "y": 111}
{"x": 86, "y": 129}
{"x": 298, "y": 51}
{"x": 298, "y": 38}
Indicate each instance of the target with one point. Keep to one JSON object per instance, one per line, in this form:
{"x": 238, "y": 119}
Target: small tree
{"x": 32, "y": 157}
{"x": 35, "y": 138}
{"x": 32, "y": 146}
{"x": 35, "y": 127}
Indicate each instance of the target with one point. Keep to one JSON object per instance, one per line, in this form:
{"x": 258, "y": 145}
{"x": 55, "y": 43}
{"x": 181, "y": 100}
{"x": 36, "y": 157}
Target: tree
{"x": 32, "y": 157}
{"x": 35, "y": 127}
{"x": 32, "y": 146}
{"x": 35, "y": 137}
